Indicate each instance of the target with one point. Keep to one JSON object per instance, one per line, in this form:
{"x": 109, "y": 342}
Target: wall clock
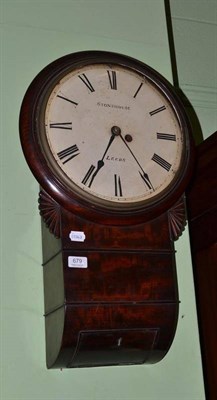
{"x": 109, "y": 142}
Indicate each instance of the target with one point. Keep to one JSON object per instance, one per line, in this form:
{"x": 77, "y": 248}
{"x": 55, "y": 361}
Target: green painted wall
{"x": 197, "y": 57}
{"x": 33, "y": 33}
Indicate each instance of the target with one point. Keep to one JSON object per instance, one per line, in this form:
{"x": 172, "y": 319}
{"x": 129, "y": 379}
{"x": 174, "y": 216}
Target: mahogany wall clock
{"x": 109, "y": 142}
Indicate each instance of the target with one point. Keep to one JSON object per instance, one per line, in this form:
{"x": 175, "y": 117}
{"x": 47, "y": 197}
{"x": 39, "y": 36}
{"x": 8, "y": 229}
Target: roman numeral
{"x": 166, "y": 136}
{"x": 112, "y": 79}
{"x": 61, "y": 125}
{"x": 138, "y": 90}
{"x": 160, "y": 161}
{"x": 86, "y": 81}
{"x": 162, "y": 108}
{"x": 68, "y": 153}
{"x": 88, "y": 175}
{"x": 66, "y": 99}
{"x": 118, "y": 188}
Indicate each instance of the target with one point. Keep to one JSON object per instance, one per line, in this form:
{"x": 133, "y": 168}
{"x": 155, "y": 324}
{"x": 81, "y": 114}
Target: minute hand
{"x": 143, "y": 174}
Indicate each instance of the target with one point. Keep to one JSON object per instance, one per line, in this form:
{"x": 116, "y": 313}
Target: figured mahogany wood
{"x": 177, "y": 219}
{"x": 108, "y": 334}
{"x": 51, "y": 214}
{"x": 202, "y": 210}
{"x": 50, "y": 211}
{"x": 122, "y": 308}
{"x": 121, "y": 277}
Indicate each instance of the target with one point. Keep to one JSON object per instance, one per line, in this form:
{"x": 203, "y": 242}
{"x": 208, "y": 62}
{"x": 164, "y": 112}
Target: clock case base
{"x": 123, "y": 308}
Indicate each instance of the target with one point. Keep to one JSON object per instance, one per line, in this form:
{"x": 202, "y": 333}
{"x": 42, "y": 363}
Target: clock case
{"x": 122, "y": 308}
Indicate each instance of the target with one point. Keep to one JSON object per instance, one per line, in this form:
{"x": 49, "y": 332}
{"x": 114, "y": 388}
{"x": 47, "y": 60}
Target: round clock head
{"x": 105, "y": 135}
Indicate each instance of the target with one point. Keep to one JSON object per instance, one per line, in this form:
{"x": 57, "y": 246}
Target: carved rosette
{"x": 177, "y": 219}
{"x": 50, "y": 212}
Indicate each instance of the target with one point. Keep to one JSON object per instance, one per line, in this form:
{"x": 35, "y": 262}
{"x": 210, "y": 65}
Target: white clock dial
{"x": 111, "y": 134}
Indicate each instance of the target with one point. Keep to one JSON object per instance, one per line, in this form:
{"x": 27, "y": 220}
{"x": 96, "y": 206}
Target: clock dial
{"x": 112, "y": 135}
{"x": 107, "y": 137}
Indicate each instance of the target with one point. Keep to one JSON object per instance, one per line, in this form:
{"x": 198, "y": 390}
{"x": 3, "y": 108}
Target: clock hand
{"x": 146, "y": 179}
{"x": 143, "y": 174}
{"x": 100, "y": 162}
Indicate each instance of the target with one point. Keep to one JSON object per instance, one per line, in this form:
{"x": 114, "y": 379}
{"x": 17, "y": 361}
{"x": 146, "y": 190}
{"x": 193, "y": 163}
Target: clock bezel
{"x": 36, "y": 95}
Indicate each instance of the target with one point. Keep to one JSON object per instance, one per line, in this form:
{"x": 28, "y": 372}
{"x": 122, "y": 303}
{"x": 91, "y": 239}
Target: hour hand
{"x": 100, "y": 164}
{"x": 93, "y": 171}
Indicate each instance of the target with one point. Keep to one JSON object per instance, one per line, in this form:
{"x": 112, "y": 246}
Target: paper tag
{"x": 77, "y": 236}
{"x": 77, "y": 262}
